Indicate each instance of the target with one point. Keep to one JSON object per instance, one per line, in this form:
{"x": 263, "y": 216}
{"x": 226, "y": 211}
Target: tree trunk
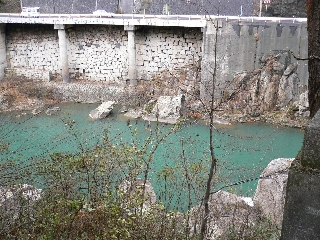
{"x": 313, "y": 13}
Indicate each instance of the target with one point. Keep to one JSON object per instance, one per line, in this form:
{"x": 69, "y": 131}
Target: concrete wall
{"x": 3, "y": 60}
{"x": 240, "y": 47}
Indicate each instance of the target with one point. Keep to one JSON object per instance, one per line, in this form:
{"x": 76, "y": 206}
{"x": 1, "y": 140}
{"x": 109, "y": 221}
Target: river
{"x": 243, "y": 150}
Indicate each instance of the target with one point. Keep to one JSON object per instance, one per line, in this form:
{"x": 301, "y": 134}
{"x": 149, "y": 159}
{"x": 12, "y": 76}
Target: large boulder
{"x": 102, "y": 111}
{"x": 167, "y": 109}
{"x": 227, "y": 210}
{"x": 271, "y": 190}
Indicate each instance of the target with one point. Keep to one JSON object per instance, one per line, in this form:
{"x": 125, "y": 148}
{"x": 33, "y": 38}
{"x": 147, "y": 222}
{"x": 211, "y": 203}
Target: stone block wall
{"x": 166, "y": 50}
{"x": 32, "y": 47}
{"x": 241, "y": 47}
{"x": 100, "y": 52}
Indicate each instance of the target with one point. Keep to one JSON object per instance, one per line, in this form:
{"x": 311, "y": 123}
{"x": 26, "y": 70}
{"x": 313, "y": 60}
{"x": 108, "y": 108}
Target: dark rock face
{"x": 310, "y": 153}
{"x": 10, "y": 6}
{"x": 277, "y": 8}
{"x": 282, "y": 8}
{"x": 212, "y": 7}
{"x": 302, "y": 207}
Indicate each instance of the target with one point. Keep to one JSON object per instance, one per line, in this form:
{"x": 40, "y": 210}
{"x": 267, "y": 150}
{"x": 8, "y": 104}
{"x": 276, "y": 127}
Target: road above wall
{"x": 139, "y": 19}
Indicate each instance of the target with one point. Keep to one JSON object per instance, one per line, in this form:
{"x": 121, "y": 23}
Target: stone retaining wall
{"x": 99, "y": 53}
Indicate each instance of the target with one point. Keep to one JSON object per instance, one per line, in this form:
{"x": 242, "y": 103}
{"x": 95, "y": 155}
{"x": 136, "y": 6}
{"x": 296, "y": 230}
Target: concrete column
{"x": 3, "y": 50}
{"x": 63, "y": 52}
{"x": 208, "y": 61}
{"x": 132, "y": 55}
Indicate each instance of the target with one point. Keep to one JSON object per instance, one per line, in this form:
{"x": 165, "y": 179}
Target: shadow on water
{"x": 243, "y": 150}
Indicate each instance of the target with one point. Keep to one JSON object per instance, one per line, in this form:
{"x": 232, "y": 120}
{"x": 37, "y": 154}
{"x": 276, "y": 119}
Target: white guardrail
{"x": 16, "y": 18}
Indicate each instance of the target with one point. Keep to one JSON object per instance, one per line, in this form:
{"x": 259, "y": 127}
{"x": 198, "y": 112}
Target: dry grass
{"x": 22, "y": 94}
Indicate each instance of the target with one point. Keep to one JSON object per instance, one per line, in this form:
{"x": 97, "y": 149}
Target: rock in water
{"x": 52, "y": 111}
{"x": 102, "y": 111}
{"x": 167, "y": 109}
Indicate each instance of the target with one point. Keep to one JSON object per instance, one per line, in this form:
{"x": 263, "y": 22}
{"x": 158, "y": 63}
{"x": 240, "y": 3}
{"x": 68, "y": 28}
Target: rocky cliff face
{"x": 272, "y": 87}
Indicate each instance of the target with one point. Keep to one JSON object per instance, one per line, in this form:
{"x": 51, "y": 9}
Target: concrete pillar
{"x": 208, "y": 61}
{"x": 132, "y": 74}
{"x": 301, "y": 217}
{"x": 63, "y": 52}
{"x": 3, "y": 50}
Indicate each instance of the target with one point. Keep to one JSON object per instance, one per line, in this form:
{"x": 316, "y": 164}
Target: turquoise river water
{"x": 243, "y": 150}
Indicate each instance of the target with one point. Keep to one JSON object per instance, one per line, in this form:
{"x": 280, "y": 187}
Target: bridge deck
{"x": 138, "y": 19}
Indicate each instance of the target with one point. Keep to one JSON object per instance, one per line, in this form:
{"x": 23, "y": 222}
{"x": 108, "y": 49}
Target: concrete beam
{"x": 132, "y": 69}
{"x": 63, "y": 52}
{"x": 3, "y": 50}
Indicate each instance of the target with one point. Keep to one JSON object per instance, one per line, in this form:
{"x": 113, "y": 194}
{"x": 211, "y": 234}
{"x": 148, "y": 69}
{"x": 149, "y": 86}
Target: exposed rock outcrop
{"x": 166, "y": 109}
{"x": 102, "y": 111}
{"x": 271, "y": 190}
{"x": 303, "y": 104}
{"x": 271, "y": 88}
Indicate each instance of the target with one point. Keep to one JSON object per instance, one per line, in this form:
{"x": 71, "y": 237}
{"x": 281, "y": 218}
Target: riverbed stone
{"x": 52, "y": 111}
{"x": 102, "y": 111}
{"x": 134, "y": 113}
{"x": 167, "y": 109}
